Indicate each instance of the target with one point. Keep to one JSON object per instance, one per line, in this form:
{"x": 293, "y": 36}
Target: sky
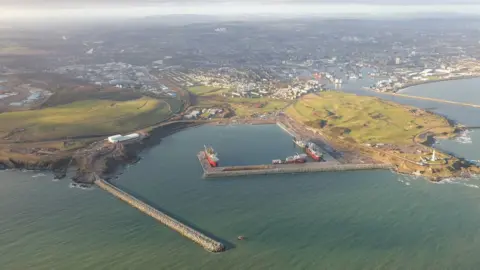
{"x": 56, "y": 9}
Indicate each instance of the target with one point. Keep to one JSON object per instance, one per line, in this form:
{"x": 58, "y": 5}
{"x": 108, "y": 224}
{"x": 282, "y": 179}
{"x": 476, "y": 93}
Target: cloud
{"x": 50, "y": 9}
{"x": 93, "y": 3}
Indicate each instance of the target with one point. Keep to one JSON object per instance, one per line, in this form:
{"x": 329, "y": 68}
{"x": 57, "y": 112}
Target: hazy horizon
{"x": 57, "y": 9}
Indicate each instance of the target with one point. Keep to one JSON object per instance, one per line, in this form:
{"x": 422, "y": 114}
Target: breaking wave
{"x": 464, "y": 138}
{"x": 458, "y": 181}
{"x": 80, "y": 186}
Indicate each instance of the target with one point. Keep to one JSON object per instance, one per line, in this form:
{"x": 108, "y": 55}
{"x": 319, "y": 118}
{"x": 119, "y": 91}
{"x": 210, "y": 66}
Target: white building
{"x": 120, "y": 138}
{"x": 193, "y": 115}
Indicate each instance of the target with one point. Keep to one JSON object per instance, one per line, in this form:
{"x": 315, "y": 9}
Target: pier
{"x": 309, "y": 167}
{"x": 431, "y": 99}
{"x": 192, "y": 234}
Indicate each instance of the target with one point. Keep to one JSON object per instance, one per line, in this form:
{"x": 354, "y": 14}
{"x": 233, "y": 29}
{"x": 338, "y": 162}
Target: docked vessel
{"x": 300, "y": 143}
{"x": 277, "y": 161}
{"x": 211, "y": 156}
{"x": 314, "y": 151}
{"x": 298, "y": 158}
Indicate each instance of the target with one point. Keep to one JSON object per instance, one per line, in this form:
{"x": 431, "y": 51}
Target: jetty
{"x": 185, "y": 230}
{"x": 431, "y": 99}
{"x": 308, "y": 167}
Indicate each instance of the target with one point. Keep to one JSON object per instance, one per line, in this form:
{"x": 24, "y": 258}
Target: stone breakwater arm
{"x": 196, "y": 236}
{"x": 293, "y": 168}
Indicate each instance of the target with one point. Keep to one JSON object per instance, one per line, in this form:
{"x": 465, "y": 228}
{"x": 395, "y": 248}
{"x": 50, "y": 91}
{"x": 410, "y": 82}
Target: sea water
{"x": 345, "y": 220}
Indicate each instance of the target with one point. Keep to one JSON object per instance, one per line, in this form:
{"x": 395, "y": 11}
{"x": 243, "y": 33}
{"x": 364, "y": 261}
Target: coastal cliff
{"x": 105, "y": 159}
{"x": 100, "y": 157}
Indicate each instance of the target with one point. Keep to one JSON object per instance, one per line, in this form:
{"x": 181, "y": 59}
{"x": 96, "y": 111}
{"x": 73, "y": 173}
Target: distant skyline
{"x": 53, "y": 9}
{"x": 87, "y": 3}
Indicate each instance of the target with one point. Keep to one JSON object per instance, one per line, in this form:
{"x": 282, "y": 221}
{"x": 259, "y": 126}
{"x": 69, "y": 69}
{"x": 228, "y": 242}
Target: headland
{"x": 352, "y": 129}
{"x": 379, "y": 130}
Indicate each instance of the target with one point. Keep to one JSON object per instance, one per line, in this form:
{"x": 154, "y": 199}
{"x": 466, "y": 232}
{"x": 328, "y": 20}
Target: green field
{"x": 365, "y": 119}
{"x": 206, "y": 90}
{"x": 208, "y": 96}
{"x": 83, "y": 118}
{"x": 247, "y": 106}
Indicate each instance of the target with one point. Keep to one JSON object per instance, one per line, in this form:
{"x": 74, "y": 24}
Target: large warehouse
{"x": 120, "y": 138}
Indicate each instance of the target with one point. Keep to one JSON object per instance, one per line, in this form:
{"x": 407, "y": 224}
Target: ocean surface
{"x": 348, "y": 220}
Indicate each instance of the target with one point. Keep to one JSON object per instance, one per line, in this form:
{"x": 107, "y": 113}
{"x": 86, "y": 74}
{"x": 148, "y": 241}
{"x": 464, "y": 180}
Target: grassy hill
{"x": 365, "y": 119}
{"x": 208, "y": 96}
{"x": 83, "y": 118}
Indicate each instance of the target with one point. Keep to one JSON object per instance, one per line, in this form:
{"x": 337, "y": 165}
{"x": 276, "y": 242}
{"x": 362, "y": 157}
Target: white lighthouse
{"x": 434, "y": 158}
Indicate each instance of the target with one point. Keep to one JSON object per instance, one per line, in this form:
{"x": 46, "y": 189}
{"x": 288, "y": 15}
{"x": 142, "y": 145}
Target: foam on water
{"x": 458, "y": 181}
{"x": 471, "y": 185}
{"x": 38, "y": 175}
{"x": 80, "y": 186}
{"x": 404, "y": 180}
{"x": 464, "y": 138}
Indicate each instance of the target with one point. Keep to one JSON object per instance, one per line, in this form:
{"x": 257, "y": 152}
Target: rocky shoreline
{"x": 105, "y": 160}
{"x": 461, "y": 168}
{"x": 57, "y": 166}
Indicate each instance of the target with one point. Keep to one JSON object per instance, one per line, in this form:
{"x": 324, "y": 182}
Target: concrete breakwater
{"x": 192, "y": 234}
{"x": 209, "y": 172}
{"x": 431, "y": 99}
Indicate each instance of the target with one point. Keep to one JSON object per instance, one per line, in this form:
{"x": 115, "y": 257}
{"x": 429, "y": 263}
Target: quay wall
{"x": 192, "y": 234}
{"x": 209, "y": 172}
{"x": 286, "y": 129}
{"x": 279, "y": 169}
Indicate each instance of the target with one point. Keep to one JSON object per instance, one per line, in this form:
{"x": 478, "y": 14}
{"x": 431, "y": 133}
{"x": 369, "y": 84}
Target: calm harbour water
{"x": 351, "y": 220}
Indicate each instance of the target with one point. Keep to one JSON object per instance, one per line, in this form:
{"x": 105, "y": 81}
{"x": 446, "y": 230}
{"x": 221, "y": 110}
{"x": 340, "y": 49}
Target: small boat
{"x": 300, "y": 143}
{"x": 241, "y": 237}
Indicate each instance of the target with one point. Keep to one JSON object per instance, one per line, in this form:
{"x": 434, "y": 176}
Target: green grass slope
{"x": 365, "y": 119}
{"x": 83, "y": 118}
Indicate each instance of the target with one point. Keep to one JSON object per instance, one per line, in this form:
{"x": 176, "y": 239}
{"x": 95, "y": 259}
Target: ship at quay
{"x": 297, "y": 158}
{"x": 211, "y": 156}
{"x": 300, "y": 143}
{"x": 314, "y": 151}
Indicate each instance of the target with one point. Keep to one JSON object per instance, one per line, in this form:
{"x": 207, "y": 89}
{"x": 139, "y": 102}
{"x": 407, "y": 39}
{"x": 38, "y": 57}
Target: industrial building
{"x": 120, "y": 138}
